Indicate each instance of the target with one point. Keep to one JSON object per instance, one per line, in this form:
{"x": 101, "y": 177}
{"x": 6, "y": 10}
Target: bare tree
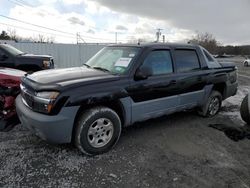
{"x": 206, "y": 40}
{"x": 41, "y": 38}
{"x": 50, "y": 39}
{"x": 12, "y": 34}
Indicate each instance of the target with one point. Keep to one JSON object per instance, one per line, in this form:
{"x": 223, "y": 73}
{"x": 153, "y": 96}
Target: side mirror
{"x": 3, "y": 57}
{"x": 143, "y": 73}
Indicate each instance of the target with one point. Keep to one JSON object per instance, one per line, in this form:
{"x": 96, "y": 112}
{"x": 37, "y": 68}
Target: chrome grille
{"x": 27, "y": 97}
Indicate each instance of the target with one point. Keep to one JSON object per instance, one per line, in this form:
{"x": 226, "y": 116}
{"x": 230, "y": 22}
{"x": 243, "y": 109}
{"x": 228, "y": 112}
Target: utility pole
{"x": 77, "y": 38}
{"x": 158, "y": 34}
{"x": 116, "y": 37}
{"x": 139, "y": 41}
{"x": 163, "y": 38}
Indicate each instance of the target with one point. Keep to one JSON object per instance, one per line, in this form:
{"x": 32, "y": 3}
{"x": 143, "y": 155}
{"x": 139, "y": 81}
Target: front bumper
{"x": 55, "y": 129}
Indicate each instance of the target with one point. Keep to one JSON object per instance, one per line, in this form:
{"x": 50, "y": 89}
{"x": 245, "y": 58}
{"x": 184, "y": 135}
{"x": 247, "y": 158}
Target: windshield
{"x": 12, "y": 50}
{"x": 113, "y": 59}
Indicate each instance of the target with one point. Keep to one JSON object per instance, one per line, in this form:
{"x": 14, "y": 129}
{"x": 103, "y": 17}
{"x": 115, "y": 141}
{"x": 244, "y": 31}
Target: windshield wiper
{"x": 102, "y": 69}
{"x": 23, "y": 53}
{"x": 86, "y": 65}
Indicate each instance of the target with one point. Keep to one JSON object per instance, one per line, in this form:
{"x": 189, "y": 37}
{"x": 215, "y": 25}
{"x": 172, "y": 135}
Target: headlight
{"x": 46, "y": 64}
{"x": 48, "y": 94}
{"x": 45, "y": 100}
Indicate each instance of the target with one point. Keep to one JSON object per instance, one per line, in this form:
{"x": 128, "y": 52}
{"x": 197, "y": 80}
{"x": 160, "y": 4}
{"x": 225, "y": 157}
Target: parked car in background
{"x": 14, "y": 58}
{"x": 119, "y": 86}
{"x": 9, "y": 88}
{"x": 246, "y": 62}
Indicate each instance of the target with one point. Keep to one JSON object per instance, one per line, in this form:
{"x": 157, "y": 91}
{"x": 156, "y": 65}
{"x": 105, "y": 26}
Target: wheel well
{"x": 114, "y": 105}
{"x": 221, "y": 87}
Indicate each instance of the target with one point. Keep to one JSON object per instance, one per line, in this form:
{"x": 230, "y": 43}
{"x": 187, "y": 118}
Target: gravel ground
{"x": 179, "y": 150}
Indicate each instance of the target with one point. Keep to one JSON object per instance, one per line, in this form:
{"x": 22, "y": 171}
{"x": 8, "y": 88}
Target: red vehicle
{"x": 9, "y": 89}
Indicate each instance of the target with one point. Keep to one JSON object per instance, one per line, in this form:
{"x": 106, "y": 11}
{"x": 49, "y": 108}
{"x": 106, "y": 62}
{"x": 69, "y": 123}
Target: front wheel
{"x": 212, "y": 106}
{"x": 245, "y": 64}
{"x": 97, "y": 130}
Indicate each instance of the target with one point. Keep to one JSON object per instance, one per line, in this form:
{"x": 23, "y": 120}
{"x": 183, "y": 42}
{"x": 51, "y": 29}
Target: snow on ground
{"x": 231, "y": 106}
{"x": 237, "y": 99}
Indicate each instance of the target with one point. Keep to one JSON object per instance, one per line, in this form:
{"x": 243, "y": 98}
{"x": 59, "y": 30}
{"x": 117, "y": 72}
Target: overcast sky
{"x": 99, "y": 20}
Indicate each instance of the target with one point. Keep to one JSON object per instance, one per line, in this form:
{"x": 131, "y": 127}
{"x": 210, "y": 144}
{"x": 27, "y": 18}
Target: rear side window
{"x": 186, "y": 60}
{"x": 208, "y": 56}
{"x": 211, "y": 62}
{"x": 160, "y": 61}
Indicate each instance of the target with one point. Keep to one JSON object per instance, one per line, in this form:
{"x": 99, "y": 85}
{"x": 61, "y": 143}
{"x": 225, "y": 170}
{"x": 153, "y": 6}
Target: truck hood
{"x": 31, "y": 56}
{"x": 67, "y": 76}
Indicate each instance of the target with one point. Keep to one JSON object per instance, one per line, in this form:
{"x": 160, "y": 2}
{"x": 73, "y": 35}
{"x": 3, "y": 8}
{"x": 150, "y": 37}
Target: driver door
{"x": 156, "y": 95}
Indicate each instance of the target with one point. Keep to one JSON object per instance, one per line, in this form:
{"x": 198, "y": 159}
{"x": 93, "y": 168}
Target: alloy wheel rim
{"x": 214, "y": 106}
{"x": 100, "y": 132}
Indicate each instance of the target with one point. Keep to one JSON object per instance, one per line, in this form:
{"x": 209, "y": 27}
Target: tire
{"x": 244, "y": 110}
{"x": 91, "y": 137}
{"x": 212, "y": 105}
{"x": 245, "y": 64}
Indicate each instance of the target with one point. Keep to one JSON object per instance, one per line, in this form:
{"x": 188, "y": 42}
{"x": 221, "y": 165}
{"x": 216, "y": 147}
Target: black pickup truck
{"x": 14, "y": 58}
{"x": 121, "y": 85}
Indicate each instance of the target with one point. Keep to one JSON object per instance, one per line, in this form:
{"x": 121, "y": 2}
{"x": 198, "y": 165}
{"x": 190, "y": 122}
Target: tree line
{"x": 11, "y": 35}
{"x": 209, "y": 42}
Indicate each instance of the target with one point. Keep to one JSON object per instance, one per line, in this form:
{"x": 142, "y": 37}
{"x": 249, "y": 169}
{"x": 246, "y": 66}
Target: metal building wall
{"x": 65, "y": 55}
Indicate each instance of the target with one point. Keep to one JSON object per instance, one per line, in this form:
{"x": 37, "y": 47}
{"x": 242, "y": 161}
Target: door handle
{"x": 172, "y": 82}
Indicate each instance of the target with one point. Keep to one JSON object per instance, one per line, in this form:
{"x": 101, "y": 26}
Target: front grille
{"x": 27, "y": 97}
{"x": 30, "y": 100}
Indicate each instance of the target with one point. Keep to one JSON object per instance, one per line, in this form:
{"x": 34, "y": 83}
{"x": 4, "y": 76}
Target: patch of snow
{"x": 238, "y": 98}
{"x": 235, "y": 101}
{"x": 234, "y": 116}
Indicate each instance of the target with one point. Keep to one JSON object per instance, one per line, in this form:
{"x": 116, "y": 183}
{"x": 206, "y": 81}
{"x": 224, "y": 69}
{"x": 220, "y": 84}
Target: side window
{"x": 186, "y": 60}
{"x": 208, "y": 56}
{"x": 160, "y": 61}
{"x": 211, "y": 62}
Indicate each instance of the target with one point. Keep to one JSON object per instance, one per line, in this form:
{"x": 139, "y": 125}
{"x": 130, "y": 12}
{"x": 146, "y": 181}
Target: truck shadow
{"x": 234, "y": 133}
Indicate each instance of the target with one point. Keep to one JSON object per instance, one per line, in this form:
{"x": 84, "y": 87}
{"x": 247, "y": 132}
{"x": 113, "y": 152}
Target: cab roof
{"x": 152, "y": 45}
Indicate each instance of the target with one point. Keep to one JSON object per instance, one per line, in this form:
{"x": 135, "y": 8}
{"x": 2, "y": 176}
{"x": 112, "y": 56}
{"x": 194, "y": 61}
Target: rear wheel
{"x": 212, "y": 106}
{"x": 244, "y": 109}
{"x": 97, "y": 130}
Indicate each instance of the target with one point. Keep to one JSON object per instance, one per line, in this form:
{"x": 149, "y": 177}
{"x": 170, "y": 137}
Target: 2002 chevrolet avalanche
{"x": 120, "y": 85}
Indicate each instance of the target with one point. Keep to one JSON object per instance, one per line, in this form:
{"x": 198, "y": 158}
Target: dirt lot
{"x": 180, "y": 150}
